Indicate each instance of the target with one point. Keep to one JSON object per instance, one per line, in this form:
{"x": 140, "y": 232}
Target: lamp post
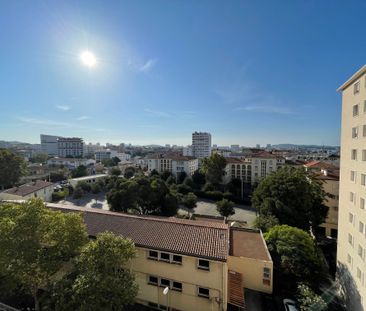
{"x": 165, "y": 292}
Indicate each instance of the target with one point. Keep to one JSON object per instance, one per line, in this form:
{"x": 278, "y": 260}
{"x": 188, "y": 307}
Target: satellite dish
{"x": 166, "y": 290}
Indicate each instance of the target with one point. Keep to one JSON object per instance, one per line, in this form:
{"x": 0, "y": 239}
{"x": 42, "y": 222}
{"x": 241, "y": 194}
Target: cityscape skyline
{"x": 262, "y": 78}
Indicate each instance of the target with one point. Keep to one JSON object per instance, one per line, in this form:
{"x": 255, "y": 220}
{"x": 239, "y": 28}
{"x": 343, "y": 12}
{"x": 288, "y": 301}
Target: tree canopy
{"x": 80, "y": 171}
{"x": 294, "y": 253}
{"x": 225, "y": 207}
{"x": 12, "y": 167}
{"x": 308, "y": 300}
{"x": 36, "y": 243}
{"x": 214, "y": 168}
{"x": 294, "y": 196}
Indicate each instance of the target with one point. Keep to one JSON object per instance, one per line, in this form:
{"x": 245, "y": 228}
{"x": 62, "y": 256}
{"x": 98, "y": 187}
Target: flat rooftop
{"x": 90, "y": 176}
{"x": 248, "y": 243}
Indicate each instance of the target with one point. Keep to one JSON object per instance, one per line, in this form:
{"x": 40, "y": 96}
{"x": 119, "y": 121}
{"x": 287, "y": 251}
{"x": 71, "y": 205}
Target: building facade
{"x": 37, "y": 189}
{"x": 70, "y": 162}
{"x": 49, "y": 144}
{"x": 175, "y": 164}
{"x": 351, "y": 251}
{"x": 201, "y": 144}
{"x": 105, "y": 154}
{"x": 201, "y": 263}
{"x": 70, "y": 147}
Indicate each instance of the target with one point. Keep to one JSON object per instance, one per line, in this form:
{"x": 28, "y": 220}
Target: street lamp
{"x": 165, "y": 292}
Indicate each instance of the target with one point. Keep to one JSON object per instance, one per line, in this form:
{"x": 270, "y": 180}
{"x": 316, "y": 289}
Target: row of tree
{"x": 47, "y": 255}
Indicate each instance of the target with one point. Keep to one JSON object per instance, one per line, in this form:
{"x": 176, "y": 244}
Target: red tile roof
{"x": 320, "y": 164}
{"x": 194, "y": 238}
{"x": 26, "y": 189}
{"x": 265, "y": 155}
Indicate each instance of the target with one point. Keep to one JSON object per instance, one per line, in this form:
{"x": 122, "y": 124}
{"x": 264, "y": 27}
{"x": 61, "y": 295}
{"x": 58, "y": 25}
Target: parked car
{"x": 290, "y": 305}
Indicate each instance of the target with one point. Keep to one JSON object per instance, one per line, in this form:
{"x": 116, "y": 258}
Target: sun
{"x": 88, "y": 59}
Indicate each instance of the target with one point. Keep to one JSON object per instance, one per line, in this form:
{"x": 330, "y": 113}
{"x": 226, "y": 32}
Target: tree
{"x": 265, "y": 222}
{"x": 293, "y": 196}
{"x": 39, "y": 158}
{"x": 78, "y": 193}
{"x": 170, "y": 205}
{"x": 12, "y": 167}
{"x": 129, "y": 172}
{"x": 165, "y": 175}
{"x": 181, "y": 176}
{"x": 225, "y": 208}
{"x": 308, "y": 300}
{"x": 199, "y": 178}
{"x": 80, "y": 171}
{"x": 36, "y": 242}
{"x": 295, "y": 254}
{"x": 104, "y": 281}
{"x": 190, "y": 201}
{"x": 115, "y": 171}
{"x": 57, "y": 176}
{"x": 95, "y": 188}
{"x": 214, "y": 168}
{"x": 101, "y": 279}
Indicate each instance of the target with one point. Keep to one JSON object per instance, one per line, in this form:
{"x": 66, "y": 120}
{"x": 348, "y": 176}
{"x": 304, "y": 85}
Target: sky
{"x": 248, "y": 72}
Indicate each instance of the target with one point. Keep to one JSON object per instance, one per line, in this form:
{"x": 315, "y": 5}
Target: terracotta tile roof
{"x": 195, "y": 238}
{"x": 248, "y": 243}
{"x": 171, "y": 156}
{"x": 26, "y": 189}
{"x": 320, "y": 164}
{"x": 234, "y": 160}
{"x": 265, "y": 154}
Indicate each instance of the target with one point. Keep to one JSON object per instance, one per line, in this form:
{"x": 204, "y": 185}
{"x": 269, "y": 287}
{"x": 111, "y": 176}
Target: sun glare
{"x": 88, "y": 59}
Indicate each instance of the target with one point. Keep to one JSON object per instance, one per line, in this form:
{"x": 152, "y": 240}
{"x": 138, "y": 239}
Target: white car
{"x": 290, "y": 305}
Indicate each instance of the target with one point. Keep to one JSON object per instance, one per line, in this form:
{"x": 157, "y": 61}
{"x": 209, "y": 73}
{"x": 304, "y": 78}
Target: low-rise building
{"x": 105, "y": 154}
{"x": 173, "y": 163}
{"x": 37, "y": 189}
{"x": 88, "y": 179}
{"x": 70, "y": 163}
{"x": 205, "y": 265}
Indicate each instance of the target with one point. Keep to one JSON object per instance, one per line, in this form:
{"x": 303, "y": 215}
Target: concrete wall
{"x": 252, "y": 272}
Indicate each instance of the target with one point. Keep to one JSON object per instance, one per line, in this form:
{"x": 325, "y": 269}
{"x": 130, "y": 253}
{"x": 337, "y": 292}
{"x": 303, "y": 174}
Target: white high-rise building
{"x": 49, "y": 144}
{"x": 201, "y": 144}
{"x": 351, "y": 247}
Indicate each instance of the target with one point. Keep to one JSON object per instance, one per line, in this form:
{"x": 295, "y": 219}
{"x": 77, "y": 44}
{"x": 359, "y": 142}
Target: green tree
{"x": 308, "y": 300}
{"x": 214, "y": 168}
{"x": 12, "y": 167}
{"x": 80, "y": 171}
{"x": 78, "y": 193}
{"x": 123, "y": 196}
{"x": 36, "y": 243}
{"x": 294, "y": 254}
{"x": 39, "y": 158}
{"x": 57, "y": 176}
{"x": 199, "y": 178}
{"x": 129, "y": 172}
{"x": 86, "y": 187}
{"x": 181, "y": 176}
{"x": 95, "y": 188}
{"x": 294, "y": 196}
{"x": 190, "y": 201}
{"x": 104, "y": 281}
{"x": 115, "y": 171}
{"x": 170, "y": 205}
{"x": 101, "y": 279}
{"x": 165, "y": 175}
{"x": 225, "y": 208}
{"x": 265, "y": 222}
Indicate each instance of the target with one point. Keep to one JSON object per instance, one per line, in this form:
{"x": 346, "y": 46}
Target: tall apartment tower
{"x": 70, "y": 147}
{"x": 49, "y": 144}
{"x": 201, "y": 144}
{"x": 351, "y": 252}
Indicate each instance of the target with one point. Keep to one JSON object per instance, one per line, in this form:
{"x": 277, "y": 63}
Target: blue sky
{"x": 247, "y": 71}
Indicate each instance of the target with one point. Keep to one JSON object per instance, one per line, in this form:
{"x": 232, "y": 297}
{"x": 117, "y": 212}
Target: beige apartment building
{"x": 351, "y": 265}
{"x": 202, "y": 265}
{"x": 173, "y": 163}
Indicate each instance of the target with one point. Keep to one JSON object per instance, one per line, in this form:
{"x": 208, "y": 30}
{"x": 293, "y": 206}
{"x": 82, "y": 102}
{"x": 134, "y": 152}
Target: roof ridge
{"x": 186, "y": 222}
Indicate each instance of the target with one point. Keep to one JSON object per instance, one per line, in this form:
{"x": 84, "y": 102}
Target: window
{"x": 355, "y": 132}
{"x": 364, "y": 155}
{"x": 354, "y": 154}
{"x": 352, "y": 196}
{"x": 355, "y": 110}
{"x": 153, "y": 255}
{"x": 177, "y": 259}
{"x": 364, "y": 104}
{"x": 177, "y": 286}
{"x": 364, "y": 130}
{"x": 153, "y": 280}
{"x": 165, "y": 257}
{"x": 363, "y": 179}
{"x": 360, "y": 251}
{"x": 349, "y": 259}
{"x": 164, "y": 283}
{"x": 266, "y": 273}
{"x": 358, "y": 273}
{"x": 356, "y": 87}
{"x": 203, "y": 292}
{"x": 350, "y": 239}
{"x": 362, "y": 203}
{"x": 361, "y": 226}
{"x": 203, "y": 264}
{"x": 353, "y": 176}
{"x": 350, "y": 218}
